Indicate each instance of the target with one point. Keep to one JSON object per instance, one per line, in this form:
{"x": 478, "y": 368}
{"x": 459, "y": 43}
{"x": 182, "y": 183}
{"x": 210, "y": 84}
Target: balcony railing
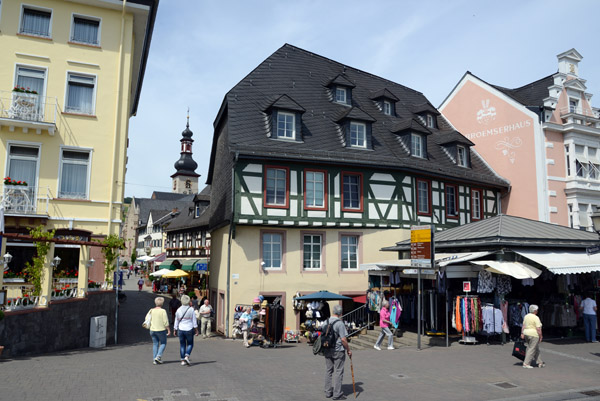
{"x": 28, "y": 107}
{"x": 24, "y": 199}
{"x": 578, "y": 111}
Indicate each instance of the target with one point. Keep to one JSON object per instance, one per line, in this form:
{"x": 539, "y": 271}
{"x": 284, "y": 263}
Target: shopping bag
{"x": 519, "y": 350}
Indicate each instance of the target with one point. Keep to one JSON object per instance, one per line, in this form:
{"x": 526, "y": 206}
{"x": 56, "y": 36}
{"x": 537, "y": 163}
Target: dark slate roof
{"x": 503, "y": 230}
{"x": 185, "y": 219}
{"x": 158, "y": 195}
{"x": 354, "y": 113}
{"x": 204, "y": 195}
{"x": 302, "y": 75}
{"x": 456, "y": 137}
{"x": 341, "y": 80}
{"x": 287, "y": 103}
{"x": 532, "y": 94}
{"x": 423, "y": 107}
{"x": 147, "y": 205}
{"x": 410, "y": 124}
{"x": 384, "y": 93}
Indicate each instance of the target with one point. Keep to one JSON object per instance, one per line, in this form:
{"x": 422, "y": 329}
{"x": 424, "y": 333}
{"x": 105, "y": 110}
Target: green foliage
{"x": 111, "y": 252}
{"x": 42, "y": 246}
{"x": 133, "y": 256}
{"x": 124, "y": 264}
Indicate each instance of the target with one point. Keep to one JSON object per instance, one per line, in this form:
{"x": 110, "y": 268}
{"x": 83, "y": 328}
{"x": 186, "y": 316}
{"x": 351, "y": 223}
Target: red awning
{"x": 360, "y": 298}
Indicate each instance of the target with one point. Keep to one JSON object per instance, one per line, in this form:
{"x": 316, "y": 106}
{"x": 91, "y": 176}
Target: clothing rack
{"x": 465, "y": 338}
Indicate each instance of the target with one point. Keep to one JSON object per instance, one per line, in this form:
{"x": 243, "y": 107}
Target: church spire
{"x": 185, "y": 179}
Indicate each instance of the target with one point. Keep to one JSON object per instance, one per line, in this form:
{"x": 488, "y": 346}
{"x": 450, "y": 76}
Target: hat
{"x": 262, "y": 298}
{"x": 257, "y": 300}
{"x": 264, "y": 304}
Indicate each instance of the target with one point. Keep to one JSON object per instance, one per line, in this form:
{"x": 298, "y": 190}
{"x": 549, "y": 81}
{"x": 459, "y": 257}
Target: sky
{"x": 201, "y": 49}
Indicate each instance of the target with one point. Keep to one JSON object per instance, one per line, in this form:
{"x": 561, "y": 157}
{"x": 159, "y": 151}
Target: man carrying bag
{"x": 334, "y": 354}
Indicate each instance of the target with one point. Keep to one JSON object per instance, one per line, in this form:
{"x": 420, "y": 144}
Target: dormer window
{"x": 341, "y": 95}
{"x": 461, "y": 156}
{"x": 387, "y": 108}
{"x": 286, "y": 125}
{"x": 417, "y": 145}
{"x": 573, "y": 105}
{"x": 197, "y": 210}
{"x": 358, "y": 135}
{"x": 430, "y": 121}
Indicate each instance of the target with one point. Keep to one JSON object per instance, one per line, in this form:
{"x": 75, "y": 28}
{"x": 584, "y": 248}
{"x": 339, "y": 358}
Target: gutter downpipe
{"x": 115, "y": 147}
{"x": 231, "y": 230}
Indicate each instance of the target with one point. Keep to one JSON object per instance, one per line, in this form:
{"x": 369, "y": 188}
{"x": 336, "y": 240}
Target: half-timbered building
{"x": 315, "y": 166}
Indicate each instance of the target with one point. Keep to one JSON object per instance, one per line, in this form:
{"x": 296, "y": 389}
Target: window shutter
{"x": 298, "y": 123}
{"x": 349, "y": 96}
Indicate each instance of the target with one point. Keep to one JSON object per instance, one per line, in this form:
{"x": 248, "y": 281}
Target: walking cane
{"x": 352, "y": 370}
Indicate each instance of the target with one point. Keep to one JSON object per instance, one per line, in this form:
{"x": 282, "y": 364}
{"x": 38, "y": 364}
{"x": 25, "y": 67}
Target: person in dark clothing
{"x": 174, "y": 304}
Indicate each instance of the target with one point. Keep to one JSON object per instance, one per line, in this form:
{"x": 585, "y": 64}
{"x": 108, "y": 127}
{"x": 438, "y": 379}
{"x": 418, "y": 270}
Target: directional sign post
{"x": 421, "y": 255}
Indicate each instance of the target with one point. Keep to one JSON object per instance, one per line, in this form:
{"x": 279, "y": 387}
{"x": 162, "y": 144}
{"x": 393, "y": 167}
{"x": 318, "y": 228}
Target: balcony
{"x": 25, "y": 200}
{"x": 28, "y": 111}
{"x": 578, "y": 115}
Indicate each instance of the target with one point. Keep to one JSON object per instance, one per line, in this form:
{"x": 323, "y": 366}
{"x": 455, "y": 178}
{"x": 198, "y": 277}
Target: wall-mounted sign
{"x": 466, "y": 286}
{"x": 201, "y": 266}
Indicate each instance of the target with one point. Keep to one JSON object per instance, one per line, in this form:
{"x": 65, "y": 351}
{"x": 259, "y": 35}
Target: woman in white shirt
{"x": 589, "y": 308}
{"x": 185, "y": 323}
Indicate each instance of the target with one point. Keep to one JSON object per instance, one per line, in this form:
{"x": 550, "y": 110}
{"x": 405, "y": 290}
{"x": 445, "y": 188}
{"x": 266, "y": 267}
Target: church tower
{"x": 185, "y": 179}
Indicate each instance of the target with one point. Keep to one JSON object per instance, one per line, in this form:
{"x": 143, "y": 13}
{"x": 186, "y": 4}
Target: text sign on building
{"x": 420, "y": 246}
{"x": 466, "y": 286}
{"x": 201, "y": 266}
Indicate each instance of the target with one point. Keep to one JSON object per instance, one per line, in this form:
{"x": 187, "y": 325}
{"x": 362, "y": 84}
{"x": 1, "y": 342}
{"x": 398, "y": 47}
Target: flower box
{"x": 14, "y": 280}
{"x": 68, "y": 280}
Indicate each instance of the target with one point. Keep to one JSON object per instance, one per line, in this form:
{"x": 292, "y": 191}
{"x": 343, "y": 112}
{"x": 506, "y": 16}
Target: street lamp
{"x": 55, "y": 262}
{"x": 90, "y": 263}
{"x": 6, "y": 260}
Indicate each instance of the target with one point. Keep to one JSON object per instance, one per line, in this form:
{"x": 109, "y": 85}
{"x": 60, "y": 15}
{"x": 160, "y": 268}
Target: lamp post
{"x": 591, "y": 250}
{"x": 6, "y": 260}
{"x": 55, "y": 262}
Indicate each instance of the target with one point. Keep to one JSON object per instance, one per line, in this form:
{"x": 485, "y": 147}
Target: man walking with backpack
{"x": 334, "y": 354}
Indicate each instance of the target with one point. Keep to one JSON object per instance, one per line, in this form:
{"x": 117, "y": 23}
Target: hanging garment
{"x": 504, "y": 309}
{"x": 503, "y": 285}
{"x": 394, "y": 312}
{"x": 527, "y": 282}
{"x": 459, "y": 325}
{"x": 486, "y": 282}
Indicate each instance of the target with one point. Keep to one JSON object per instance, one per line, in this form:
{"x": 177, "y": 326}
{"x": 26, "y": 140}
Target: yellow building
{"x": 71, "y": 74}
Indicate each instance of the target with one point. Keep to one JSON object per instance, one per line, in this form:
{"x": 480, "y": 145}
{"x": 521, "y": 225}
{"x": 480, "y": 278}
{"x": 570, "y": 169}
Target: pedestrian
{"x": 159, "y": 329}
{"x": 531, "y": 332}
{"x": 589, "y": 308}
{"x": 205, "y": 313}
{"x": 195, "y": 302}
{"x": 174, "y": 304}
{"x": 246, "y": 321}
{"x": 136, "y": 270}
{"x": 128, "y": 274}
{"x": 384, "y": 323}
{"x": 335, "y": 358}
{"x": 140, "y": 284}
{"x": 185, "y": 325}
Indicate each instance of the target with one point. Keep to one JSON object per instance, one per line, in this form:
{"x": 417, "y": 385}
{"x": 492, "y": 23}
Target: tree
{"x": 133, "y": 257}
{"x": 113, "y": 244}
{"x": 42, "y": 246}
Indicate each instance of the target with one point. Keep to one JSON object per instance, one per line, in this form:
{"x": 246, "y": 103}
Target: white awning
{"x": 144, "y": 258}
{"x": 513, "y": 269}
{"x": 564, "y": 262}
{"x": 386, "y": 265}
{"x": 441, "y": 259}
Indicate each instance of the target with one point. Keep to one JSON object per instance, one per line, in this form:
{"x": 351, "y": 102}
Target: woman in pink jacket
{"x": 384, "y": 323}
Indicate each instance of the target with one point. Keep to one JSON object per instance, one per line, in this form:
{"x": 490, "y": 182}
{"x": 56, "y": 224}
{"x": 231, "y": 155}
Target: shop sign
{"x": 420, "y": 245}
{"x": 466, "y": 286}
{"x": 415, "y": 271}
{"x": 201, "y": 266}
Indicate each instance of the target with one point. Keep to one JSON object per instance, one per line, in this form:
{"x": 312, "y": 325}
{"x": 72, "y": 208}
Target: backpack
{"x": 326, "y": 340}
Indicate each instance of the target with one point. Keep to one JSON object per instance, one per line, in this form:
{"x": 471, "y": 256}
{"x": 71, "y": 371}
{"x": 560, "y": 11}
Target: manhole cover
{"x": 504, "y": 385}
{"x": 591, "y": 393}
{"x": 206, "y": 394}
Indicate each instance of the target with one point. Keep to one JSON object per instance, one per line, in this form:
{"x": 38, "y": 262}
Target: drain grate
{"x": 504, "y": 385}
{"x": 591, "y": 393}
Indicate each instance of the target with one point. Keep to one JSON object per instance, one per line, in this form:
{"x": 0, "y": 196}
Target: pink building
{"x": 544, "y": 137}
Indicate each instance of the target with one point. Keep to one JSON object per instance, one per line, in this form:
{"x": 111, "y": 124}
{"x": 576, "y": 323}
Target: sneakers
{"x": 541, "y": 365}
{"x": 187, "y": 360}
{"x": 377, "y": 347}
{"x": 183, "y": 363}
{"x": 391, "y": 348}
{"x": 154, "y": 362}
{"x": 527, "y": 366}
{"x": 341, "y": 397}
{"x": 157, "y": 360}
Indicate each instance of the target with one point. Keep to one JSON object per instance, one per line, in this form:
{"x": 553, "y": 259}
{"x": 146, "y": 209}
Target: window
{"x": 358, "y": 135}
{"x": 156, "y": 228}
{"x": 451, "y": 201}
{"x": 276, "y": 190}
{"x": 85, "y": 30}
{"x": 197, "y": 210}
{"x": 573, "y": 103}
{"x": 584, "y": 218}
{"x": 36, "y": 22}
{"x": 349, "y": 252}
{"x": 476, "y": 204}
{"x": 430, "y": 121}
{"x": 387, "y": 108}
{"x": 74, "y": 174}
{"x": 423, "y": 197}
{"x": 80, "y": 94}
{"x": 461, "y": 156}
{"x": 340, "y": 94}
{"x": 33, "y": 79}
{"x": 568, "y": 160}
{"x": 315, "y": 195}
{"x": 581, "y": 169}
{"x": 351, "y": 192}
{"x": 312, "y": 248}
{"x": 286, "y": 125}
{"x": 416, "y": 145}
{"x": 23, "y": 166}
{"x": 272, "y": 250}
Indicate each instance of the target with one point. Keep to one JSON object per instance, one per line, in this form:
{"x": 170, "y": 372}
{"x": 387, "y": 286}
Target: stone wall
{"x": 64, "y": 325}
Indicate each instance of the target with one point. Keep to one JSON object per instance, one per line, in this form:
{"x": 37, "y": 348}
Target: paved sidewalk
{"x": 224, "y": 370}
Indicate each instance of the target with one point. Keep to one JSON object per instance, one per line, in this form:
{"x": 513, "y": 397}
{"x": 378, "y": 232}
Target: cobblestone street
{"x": 225, "y": 370}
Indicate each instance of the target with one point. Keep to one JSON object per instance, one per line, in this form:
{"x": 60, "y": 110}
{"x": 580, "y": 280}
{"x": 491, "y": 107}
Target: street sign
{"x": 420, "y": 243}
{"x": 592, "y": 250}
{"x": 201, "y": 266}
{"x": 415, "y": 271}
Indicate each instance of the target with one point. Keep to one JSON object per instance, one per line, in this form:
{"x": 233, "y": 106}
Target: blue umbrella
{"x": 323, "y": 296}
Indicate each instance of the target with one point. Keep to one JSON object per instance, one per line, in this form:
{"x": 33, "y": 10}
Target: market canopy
{"x": 514, "y": 269}
{"x": 441, "y": 259}
{"x": 566, "y": 262}
{"x": 323, "y": 296}
{"x": 160, "y": 273}
{"x": 175, "y": 274}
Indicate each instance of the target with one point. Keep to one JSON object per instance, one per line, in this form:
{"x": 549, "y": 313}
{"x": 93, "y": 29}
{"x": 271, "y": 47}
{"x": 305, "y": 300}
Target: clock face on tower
{"x": 188, "y": 184}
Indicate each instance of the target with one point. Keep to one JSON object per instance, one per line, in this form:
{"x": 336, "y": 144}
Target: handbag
{"x": 519, "y": 350}
{"x": 147, "y": 320}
